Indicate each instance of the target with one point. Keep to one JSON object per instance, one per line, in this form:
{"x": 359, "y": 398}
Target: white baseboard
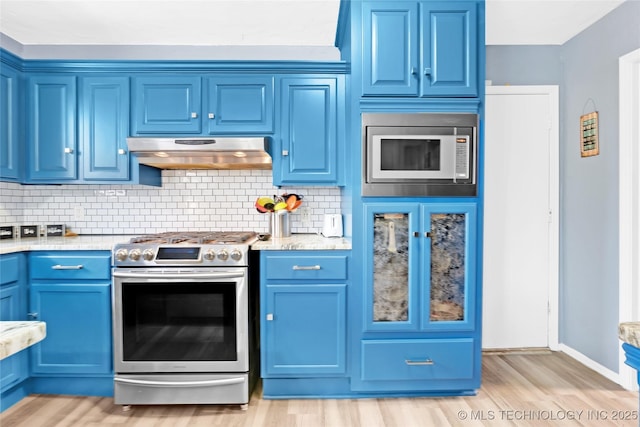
{"x": 605, "y": 372}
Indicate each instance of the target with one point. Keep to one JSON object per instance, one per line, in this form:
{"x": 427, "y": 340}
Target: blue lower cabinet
{"x": 71, "y": 293}
{"x": 14, "y": 370}
{"x": 305, "y": 330}
{"x": 78, "y": 328}
{"x": 304, "y": 324}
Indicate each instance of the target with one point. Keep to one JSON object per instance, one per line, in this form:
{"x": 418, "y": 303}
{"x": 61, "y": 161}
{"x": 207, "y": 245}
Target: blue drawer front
{"x": 306, "y": 267}
{"x": 77, "y": 266}
{"x": 404, "y": 360}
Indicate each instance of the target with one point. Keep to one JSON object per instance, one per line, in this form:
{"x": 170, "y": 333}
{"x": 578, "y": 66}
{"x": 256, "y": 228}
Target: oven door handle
{"x": 179, "y": 276}
{"x": 226, "y": 381}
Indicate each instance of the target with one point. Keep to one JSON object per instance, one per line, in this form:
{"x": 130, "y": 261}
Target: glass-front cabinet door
{"x": 392, "y": 269}
{"x": 449, "y": 263}
{"x": 420, "y": 266}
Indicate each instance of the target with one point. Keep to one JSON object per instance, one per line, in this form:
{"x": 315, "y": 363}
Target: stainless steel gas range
{"x": 185, "y": 319}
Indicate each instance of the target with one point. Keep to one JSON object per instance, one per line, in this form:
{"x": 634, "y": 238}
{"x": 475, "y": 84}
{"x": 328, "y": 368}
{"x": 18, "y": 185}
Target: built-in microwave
{"x": 419, "y": 154}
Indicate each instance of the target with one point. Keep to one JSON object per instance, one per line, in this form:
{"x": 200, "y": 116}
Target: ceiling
{"x": 259, "y": 22}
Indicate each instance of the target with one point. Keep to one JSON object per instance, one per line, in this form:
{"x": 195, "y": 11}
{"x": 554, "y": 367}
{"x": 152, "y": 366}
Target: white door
{"x": 520, "y": 280}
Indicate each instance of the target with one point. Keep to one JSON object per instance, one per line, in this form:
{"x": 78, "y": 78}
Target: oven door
{"x": 171, "y": 320}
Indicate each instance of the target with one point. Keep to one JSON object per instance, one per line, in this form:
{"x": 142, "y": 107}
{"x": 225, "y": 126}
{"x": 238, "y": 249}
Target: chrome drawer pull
{"x": 306, "y": 267}
{"x": 419, "y": 362}
{"x": 68, "y": 267}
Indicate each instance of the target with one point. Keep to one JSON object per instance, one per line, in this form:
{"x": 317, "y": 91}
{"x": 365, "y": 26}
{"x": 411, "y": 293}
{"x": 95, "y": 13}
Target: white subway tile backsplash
{"x": 187, "y": 200}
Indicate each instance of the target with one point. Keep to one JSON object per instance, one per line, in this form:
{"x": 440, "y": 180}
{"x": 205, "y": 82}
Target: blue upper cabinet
{"x": 51, "y": 133}
{"x": 310, "y": 129}
{"x": 9, "y": 124}
{"x": 168, "y": 104}
{"x": 179, "y": 105}
{"x": 390, "y": 31}
{"x": 420, "y": 49}
{"x": 239, "y": 105}
{"x": 104, "y": 119}
{"x": 449, "y": 49}
{"x": 77, "y": 130}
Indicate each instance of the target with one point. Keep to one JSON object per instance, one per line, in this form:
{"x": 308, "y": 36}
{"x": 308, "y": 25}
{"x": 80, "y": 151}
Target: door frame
{"x": 629, "y": 202}
{"x": 552, "y": 91}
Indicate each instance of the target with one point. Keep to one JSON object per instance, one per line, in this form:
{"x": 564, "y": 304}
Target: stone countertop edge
{"x": 82, "y": 242}
{"x": 15, "y": 336}
{"x": 629, "y": 332}
{"x": 302, "y": 242}
{"x": 107, "y": 242}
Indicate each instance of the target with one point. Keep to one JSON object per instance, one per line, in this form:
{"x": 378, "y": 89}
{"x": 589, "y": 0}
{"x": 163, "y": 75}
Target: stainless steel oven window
{"x": 171, "y": 321}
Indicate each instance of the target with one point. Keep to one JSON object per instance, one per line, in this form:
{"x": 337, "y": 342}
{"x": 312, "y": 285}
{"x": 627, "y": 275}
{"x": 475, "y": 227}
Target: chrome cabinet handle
{"x": 414, "y": 71}
{"x": 68, "y": 150}
{"x": 306, "y": 267}
{"x": 68, "y": 267}
{"x": 122, "y": 151}
{"x": 32, "y": 315}
{"x": 194, "y": 115}
{"x": 419, "y": 362}
{"x": 427, "y": 71}
{"x": 285, "y": 152}
{"x": 212, "y": 116}
{"x": 427, "y": 234}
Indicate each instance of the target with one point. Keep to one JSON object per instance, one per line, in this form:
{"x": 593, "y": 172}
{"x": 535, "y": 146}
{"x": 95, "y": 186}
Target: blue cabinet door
{"x": 424, "y": 48}
{"x": 166, "y": 105}
{"x": 305, "y": 330}
{"x": 9, "y": 124}
{"x": 104, "y": 125}
{"x": 13, "y": 288}
{"x": 13, "y": 306}
{"x": 310, "y": 129}
{"x": 239, "y": 105}
{"x": 449, "y": 49}
{"x": 390, "y": 55}
{"x": 78, "y": 318}
{"x": 420, "y": 267}
{"x": 51, "y": 128}
{"x": 392, "y": 267}
{"x": 448, "y": 301}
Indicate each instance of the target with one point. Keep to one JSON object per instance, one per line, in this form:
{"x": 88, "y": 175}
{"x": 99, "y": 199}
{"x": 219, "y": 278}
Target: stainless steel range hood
{"x": 202, "y": 153}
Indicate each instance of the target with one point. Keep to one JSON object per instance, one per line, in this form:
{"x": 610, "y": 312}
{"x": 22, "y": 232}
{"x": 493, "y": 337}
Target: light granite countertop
{"x": 629, "y": 332}
{"x": 301, "y": 242}
{"x": 18, "y": 335}
{"x": 88, "y": 242}
{"x": 107, "y": 242}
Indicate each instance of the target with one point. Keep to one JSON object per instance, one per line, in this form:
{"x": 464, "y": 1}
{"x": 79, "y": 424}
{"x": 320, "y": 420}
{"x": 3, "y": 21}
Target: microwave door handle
{"x": 455, "y": 155}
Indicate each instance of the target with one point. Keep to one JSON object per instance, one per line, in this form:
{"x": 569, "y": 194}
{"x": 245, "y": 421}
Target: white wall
{"x": 589, "y": 312}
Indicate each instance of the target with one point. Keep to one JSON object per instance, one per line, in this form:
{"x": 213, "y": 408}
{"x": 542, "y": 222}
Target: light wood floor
{"x": 538, "y": 389}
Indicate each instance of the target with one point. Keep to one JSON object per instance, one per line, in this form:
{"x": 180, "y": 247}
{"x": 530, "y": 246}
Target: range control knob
{"x": 223, "y": 255}
{"x": 209, "y": 255}
{"x": 147, "y": 254}
{"x": 121, "y": 254}
{"x": 236, "y": 255}
{"x": 134, "y": 255}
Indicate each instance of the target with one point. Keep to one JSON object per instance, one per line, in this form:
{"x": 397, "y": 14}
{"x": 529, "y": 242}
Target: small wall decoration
{"x": 589, "y": 135}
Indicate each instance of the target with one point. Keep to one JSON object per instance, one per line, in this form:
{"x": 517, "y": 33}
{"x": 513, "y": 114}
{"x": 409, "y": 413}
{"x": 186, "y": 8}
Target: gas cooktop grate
{"x": 195, "y": 237}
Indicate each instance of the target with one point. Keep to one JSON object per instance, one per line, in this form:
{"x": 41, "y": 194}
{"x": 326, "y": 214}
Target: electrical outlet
{"x": 305, "y": 213}
{"x": 78, "y": 213}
